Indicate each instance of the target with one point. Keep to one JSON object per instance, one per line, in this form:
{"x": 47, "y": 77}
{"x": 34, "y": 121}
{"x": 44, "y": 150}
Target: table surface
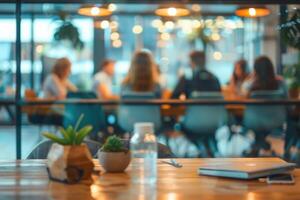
{"x": 27, "y": 179}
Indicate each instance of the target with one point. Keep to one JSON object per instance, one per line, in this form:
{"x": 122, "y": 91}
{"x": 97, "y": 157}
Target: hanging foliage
{"x": 202, "y": 33}
{"x": 68, "y": 32}
{"x": 290, "y": 31}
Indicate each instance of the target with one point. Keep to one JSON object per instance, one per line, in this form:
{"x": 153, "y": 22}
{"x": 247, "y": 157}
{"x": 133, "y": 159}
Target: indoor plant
{"x": 68, "y": 159}
{"x": 290, "y": 31}
{"x": 113, "y": 156}
{"x": 292, "y": 76}
{"x": 67, "y": 31}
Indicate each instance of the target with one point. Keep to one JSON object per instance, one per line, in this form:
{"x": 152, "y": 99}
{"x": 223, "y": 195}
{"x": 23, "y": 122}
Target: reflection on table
{"x": 28, "y": 179}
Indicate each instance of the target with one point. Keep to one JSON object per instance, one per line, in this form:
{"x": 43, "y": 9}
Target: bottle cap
{"x": 144, "y": 127}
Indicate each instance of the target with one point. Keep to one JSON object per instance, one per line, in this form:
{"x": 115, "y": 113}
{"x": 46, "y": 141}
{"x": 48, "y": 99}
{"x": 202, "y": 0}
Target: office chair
{"x": 93, "y": 113}
{"x": 201, "y": 122}
{"x": 128, "y": 115}
{"x": 262, "y": 119}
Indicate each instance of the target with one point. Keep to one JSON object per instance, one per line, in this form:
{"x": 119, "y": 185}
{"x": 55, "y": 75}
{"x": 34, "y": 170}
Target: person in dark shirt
{"x": 202, "y": 80}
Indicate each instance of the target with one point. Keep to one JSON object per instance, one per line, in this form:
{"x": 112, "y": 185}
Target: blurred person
{"x": 264, "y": 78}
{"x": 162, "y": 80}
{"x": 239, "y": 75}
{"x": 201, "y": 80}
{"x": 103, "y": 80}
{"x": 57, "y": 84}
{"x": 142, "y": 75}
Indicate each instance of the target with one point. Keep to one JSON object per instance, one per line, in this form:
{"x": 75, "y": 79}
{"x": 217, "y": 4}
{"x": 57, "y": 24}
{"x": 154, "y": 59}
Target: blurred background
{"x": 50, "y": 31}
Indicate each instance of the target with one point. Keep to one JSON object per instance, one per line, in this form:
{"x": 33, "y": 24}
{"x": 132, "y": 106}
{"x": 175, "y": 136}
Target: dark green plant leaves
{"x": 67, "y": 31}
{"x": 290, "y": 30}
{"x": 65, "y": 134}
{"x": 113, "y": 144}
{"x": 56, "y": 139}
{"x": 70, "y": 135}
{"x": 82, "y": 133}
{"x": 292, "y": 75}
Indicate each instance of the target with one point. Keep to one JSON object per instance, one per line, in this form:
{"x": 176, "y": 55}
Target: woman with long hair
{"x": 142, "y": 75}
{"x": 264, "y": 77}
{"x": 239, "y": 75}
{"x": 57, "y": 84}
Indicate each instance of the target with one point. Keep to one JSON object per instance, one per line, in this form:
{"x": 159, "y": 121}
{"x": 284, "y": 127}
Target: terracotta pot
{"x": 114, "y": 161}
{"x": 70, "y": 163}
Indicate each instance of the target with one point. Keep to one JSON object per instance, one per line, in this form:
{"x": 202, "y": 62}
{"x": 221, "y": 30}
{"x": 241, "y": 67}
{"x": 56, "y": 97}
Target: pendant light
{"x": 172, "y": 10}
{"x": 252, "y": 11}
{"x": 95, "y": 10}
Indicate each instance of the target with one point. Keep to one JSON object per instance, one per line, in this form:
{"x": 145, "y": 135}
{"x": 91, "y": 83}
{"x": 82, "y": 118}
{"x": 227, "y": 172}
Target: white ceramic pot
{"x": 60, "y": 158}
{"x": 114, "y": 161}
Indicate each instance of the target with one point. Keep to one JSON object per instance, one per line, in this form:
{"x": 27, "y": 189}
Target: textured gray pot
{"x": 114, "y": 161}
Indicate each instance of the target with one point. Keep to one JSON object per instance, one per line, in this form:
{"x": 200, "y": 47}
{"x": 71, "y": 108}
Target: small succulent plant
{"x": 113, "y": 144}
{"x": 70, "y": 135}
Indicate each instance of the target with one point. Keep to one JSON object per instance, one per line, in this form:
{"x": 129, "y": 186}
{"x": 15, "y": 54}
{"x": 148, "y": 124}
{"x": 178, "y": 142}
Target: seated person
{"x": 57, "y": 85}
{"x": 264, "y": 78}
{"x": 142, "y": 76}
{"x": 102, "y": 83}
{"x": 202, "y": 80}
{"x": 239, "y": 75}
{"x": 162, "y": 81}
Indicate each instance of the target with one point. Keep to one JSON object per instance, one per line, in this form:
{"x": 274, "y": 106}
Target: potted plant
{"x": 292, "y": 76}
{"x": 113, "y": 156}
{"x": 68, "y": 159}
{"x": 67, "y": 31}
{"x": 289, "y": 32}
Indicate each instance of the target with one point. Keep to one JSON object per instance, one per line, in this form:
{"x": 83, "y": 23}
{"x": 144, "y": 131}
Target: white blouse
{"x": 56, "y": 88}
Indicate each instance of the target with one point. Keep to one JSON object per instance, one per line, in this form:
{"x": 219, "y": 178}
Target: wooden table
{"x": 28, "y": 180}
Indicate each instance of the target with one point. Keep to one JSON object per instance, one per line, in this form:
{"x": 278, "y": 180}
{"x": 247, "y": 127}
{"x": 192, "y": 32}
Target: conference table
{"x": 28, "y": 179}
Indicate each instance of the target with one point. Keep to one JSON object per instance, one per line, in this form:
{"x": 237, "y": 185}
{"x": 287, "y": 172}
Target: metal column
{"x": 18, "y": 81}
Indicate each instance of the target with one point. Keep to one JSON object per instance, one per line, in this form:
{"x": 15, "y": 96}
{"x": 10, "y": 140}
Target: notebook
{"x": 244, "y": 168}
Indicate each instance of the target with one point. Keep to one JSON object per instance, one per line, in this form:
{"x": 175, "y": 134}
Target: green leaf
{"x": 72, "y": 134}
{"x": 82, "y": 133}
{"x": 56, "y": 139}
{"x": 113, "y": 144}
{"x": 78, "y": 122}
{"x": 65, "y": 134}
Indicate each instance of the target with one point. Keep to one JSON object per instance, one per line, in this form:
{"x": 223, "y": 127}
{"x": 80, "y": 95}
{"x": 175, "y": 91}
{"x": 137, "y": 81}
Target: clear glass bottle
{"x": 143, "y": 147}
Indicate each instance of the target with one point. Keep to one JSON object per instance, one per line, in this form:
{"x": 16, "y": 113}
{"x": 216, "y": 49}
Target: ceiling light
{"x": 104, "y": 24}
{"x": 172, "y": 11}
{"x": 196, "y": 7}
{"x": 117, "y": 43}
{"x": 112, "y": 7}
{"x": 114, "y": 25}
{"x": 94, "y": 11}
{"x": 217, "y": 55}
{"x": 215, "y": 37}
{"x": 137, "y": 29}
{"x": 156, "y": 23}
{"x": 252, "y": 11}
{"x": 169, "y": 24}
{"x": 114, "y": 36}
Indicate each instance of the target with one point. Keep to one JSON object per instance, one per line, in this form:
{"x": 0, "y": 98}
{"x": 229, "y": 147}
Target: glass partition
{"x": 226, "y": 33}
{"x": 7, "y": 81}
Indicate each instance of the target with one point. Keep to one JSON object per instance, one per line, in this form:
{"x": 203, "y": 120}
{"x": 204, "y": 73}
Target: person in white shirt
{"x": 102, "y": 83}
{"x": 57, "y": 85}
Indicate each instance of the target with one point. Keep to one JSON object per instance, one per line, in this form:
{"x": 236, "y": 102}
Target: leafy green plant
{"x": 70, "y": 135}
{"x": 292, "y": 76}
{"x": 290, "y": 30}
{"x": 68, "y": 32}
{"x": 113, "y": 144}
